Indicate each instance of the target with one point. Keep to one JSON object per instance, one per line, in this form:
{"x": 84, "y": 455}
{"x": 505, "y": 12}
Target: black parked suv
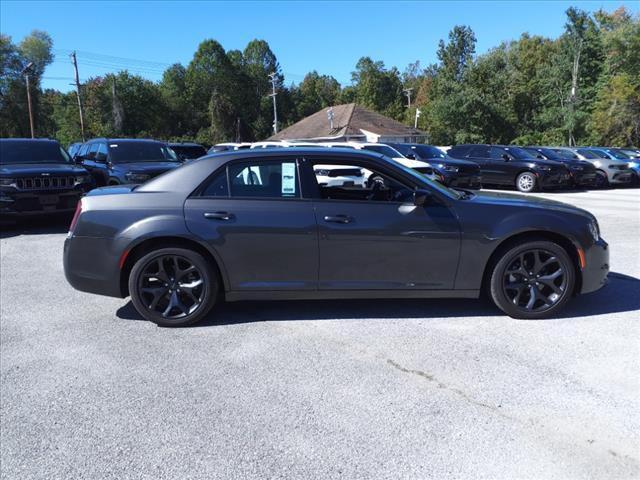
{"x": 449, "y": 171}
{"x": 583, "y": 174}
{"x": 37, "y": 176}
{"x": 115, "y": 161}
{"x": 514, "y": 167}
{"x": 188, "y": 151}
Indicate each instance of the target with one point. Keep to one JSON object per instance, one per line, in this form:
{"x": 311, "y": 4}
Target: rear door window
{"x": 479, "y": 151}
{"x": 264, "y": 179}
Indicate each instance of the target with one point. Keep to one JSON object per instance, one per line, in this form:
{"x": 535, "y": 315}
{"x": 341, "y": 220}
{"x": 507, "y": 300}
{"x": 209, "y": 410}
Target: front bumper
{"x": 472, "y": 181}
{"x": 596, "y": 269}
{"x": 554, "y": 179}
{"x": 621, "y": 176}
{"x": 583, "y": 179}
{"x": 16, "y": 203}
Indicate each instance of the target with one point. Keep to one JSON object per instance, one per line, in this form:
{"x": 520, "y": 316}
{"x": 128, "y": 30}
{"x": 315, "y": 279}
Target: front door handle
{"x": 338, "y": 218}
{"x": 218, "y": 215}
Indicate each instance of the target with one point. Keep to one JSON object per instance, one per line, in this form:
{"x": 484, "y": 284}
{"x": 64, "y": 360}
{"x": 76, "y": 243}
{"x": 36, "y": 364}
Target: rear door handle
{"x": 218, "y": 215}
{"x": 338, "y": 218}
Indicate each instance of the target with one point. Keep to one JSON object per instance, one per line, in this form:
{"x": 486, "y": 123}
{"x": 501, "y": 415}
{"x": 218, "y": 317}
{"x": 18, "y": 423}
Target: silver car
{"x": 610, "y": 170}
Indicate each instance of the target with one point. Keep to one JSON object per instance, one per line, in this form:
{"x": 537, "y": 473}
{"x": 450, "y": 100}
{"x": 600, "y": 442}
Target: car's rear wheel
{"x": 173, "y": 287}
{"x": 533, "y": 279}
{"x": 526, "y": 182}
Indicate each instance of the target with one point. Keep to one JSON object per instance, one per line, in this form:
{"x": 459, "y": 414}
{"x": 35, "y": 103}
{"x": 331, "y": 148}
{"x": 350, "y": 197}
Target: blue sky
{"x": 330, "y": 37}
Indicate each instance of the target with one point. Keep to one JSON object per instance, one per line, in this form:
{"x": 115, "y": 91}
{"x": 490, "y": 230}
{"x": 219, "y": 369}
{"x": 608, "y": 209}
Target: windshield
{"x": 566, "y": 154}
{"x": 520, "y": 153}
{"x": 432, "y": 183}
{"x": 591, "y": 154}
{"x": 126, "y": 152}
{"x": 428, "y": 151}
{"x": 619, "y": 155}
{"x": 29, "y": 151}
{"x": 384, "y": 150}
{"x": 189, "y": 151}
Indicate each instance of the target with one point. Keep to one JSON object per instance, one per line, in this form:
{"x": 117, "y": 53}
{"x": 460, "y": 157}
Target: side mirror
{"x": 506, "y": 157}
{"x": 421, "y": 197}
{"x": 410, "y": 156}
{"x": 78, "y": 159}
{"x": 540, "y": 157}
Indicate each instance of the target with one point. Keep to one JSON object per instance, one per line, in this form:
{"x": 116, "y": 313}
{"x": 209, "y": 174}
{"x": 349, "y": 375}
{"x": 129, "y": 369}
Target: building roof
{"x": 348, "y": 120}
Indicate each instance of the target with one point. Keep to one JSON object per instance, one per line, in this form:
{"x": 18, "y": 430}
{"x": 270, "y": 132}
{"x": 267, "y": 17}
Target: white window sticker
{"x": 113, "y": 145}
{"x": 288, "y": 179}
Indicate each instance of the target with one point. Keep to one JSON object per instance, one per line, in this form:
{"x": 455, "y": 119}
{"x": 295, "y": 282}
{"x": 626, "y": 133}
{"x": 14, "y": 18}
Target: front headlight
{"x": 633, "y": 164}
{"x": 7, "y": 182}
{"x": 594, "y": 230}
{"x": 577, "y": 168}
{"x": 137, "y": 177}
{"x": 448, "y": 168}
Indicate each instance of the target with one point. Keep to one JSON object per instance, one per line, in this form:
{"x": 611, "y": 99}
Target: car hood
{"x": 450, "y": 161}
{"x": 36, "y": 169}
{"x": 143, "y": 167}
{"x": 515, "y": 200}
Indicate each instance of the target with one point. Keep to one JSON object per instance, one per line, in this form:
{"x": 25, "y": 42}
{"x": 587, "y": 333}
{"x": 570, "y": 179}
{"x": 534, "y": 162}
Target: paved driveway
{"x": 328, "y": 389}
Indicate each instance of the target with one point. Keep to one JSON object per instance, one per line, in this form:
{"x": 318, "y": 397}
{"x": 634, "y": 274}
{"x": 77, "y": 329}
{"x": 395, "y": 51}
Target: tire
{"x": 521, "y": 292}
{"x": 602, "y": 181}
{"x": 373, "y": 179}
{"x": 173, "y": 287}
{"x": 527, "y": 182}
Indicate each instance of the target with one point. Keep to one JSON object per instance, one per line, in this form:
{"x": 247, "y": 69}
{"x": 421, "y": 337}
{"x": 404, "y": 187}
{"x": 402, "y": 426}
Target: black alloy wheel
{"x": 533, "y": 280}
{"x": 172, "y": 287}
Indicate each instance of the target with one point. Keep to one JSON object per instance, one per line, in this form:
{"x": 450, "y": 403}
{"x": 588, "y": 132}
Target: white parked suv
{"x": 419, "y": 166}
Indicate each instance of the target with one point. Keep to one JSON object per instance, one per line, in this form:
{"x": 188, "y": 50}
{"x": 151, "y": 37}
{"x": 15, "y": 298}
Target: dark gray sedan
{"x": 249, "y": 225}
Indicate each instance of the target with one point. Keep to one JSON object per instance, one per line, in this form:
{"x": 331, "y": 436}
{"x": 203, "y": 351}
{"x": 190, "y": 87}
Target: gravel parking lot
{"x": 330, "y": 389}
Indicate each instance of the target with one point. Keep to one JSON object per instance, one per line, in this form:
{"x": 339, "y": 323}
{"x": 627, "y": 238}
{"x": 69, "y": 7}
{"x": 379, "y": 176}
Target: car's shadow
{"x": 620, "y": 295}
{"x": 55, "y": 223}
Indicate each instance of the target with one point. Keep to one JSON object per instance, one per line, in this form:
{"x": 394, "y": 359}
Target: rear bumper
{"x": 92, "y": 265}
{"x": 594, "y": 274}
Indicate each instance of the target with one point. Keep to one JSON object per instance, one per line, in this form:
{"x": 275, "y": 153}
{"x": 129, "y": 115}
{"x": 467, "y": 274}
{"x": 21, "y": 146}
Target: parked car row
{"x": 39, "y": 176}
{"x": 471, "y": 166}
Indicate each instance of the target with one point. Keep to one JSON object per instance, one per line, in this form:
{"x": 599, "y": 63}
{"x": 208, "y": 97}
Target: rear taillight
{"x": 76, "y": 216}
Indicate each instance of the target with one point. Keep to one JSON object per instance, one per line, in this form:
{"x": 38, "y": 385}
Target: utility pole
{"x": 272, "y": 76}
{"x": 77, "y": 84}
{"x": 407, "y": 92}
{"x": 25, "y": 72}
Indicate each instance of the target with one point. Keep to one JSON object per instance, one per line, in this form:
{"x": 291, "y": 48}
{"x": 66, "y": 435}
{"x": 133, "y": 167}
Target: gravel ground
{"x": 332, "y": 389}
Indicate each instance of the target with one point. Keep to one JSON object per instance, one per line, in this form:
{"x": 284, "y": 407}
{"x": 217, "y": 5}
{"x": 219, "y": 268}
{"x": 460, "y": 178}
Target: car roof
{"x": 292, "y": 151}
{"x": 42, "y": 140}
{"x": 126, "y": 140}
{"x": 185, "y": 144}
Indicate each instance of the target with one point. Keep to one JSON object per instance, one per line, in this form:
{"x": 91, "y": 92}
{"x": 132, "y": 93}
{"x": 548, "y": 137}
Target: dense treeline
{"x": 581, "y": 88}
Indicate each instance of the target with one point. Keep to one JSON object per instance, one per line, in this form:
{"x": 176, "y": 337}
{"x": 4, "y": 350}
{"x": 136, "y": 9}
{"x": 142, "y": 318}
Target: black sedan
{"x": 511, "y": 166}
{"x": 256, "y": 224}
{"x": 449, "y": 171}
{"x": 583, "y": 174}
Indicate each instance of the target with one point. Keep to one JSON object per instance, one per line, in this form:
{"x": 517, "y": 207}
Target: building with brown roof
{"x": 349, "y": 122}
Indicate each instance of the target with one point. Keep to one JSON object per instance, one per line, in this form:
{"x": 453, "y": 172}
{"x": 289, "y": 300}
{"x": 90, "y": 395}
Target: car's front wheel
{"x": 526, "y": 182}
{"x": 601, "y": 179}
{"x": 173, "y": 287}
{"x": 532, "y": 280}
